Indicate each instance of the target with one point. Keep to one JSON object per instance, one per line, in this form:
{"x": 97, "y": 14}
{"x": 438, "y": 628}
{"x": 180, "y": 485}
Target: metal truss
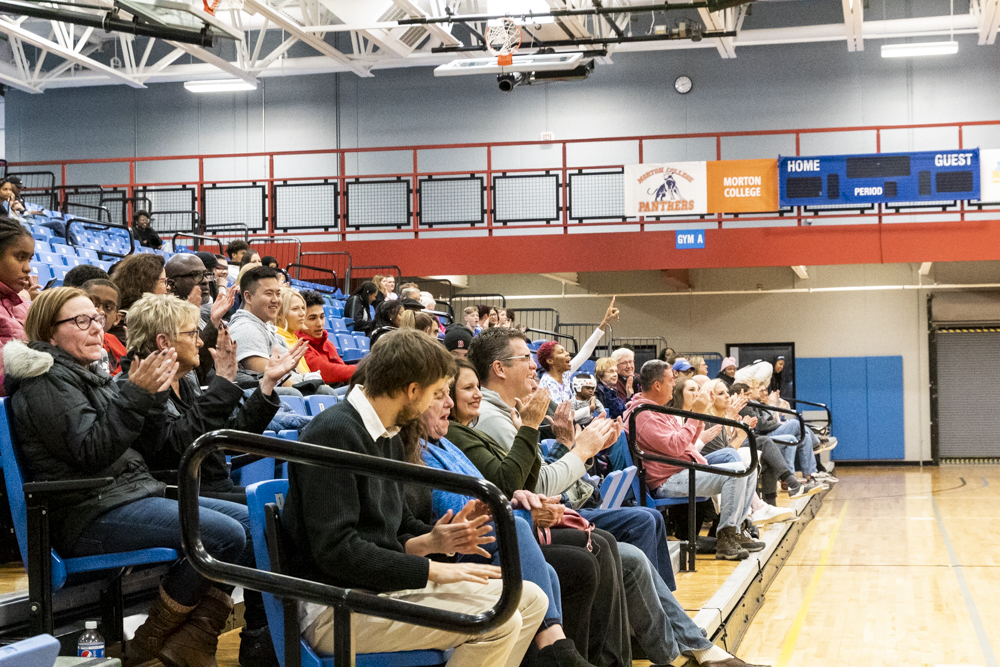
{"x": 296, "y": 37}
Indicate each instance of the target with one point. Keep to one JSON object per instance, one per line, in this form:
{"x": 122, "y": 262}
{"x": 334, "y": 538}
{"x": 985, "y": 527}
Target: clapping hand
{"x": 223, "y": 302}
{"x": 224, "y": 355}
{"x": 462, "y": 533}
{"x": 280, "y": 364}
{"x": 155, "y": 372}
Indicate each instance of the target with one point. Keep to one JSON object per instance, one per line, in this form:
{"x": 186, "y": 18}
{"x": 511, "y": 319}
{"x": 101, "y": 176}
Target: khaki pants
{"x": 501, "y": 647}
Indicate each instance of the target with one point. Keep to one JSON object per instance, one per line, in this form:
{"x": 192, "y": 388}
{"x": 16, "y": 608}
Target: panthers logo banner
{"x": 672, "y": 188}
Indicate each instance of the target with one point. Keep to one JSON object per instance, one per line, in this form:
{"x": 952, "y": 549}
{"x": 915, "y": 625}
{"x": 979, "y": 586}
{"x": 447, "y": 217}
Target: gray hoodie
{"x": 563, "y": 476}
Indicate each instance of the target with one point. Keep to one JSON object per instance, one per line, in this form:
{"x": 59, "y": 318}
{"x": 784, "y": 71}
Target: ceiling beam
{"x": 989, "y": 21}
{"x": 853, "y": 24}
{"x": 717, "y": 21}
{"x": 15, "y": 30}
{"x": 289, "y": 24}
{"x": 9, "y": 77}
{"x": 214, "y": 60}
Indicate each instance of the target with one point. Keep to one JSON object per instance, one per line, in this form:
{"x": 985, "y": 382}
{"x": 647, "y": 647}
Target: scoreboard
{"x": 925, "y": 176}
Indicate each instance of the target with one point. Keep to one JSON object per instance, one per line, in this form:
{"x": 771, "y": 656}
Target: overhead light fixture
{"x": 919, "y": 49}
{"x": 219, "y": 85}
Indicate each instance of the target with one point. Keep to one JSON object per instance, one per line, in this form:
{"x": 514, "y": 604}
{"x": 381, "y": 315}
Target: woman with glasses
{"x": 73, "y": 423}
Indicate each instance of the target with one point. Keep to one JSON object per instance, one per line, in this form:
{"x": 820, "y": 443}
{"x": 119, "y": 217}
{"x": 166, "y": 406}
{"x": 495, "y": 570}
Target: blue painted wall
{"x": 865, "y": 395}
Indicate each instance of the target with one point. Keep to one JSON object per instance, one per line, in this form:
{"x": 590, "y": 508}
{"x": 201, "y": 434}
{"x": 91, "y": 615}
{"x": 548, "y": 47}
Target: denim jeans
{"x": 658, "y": 621}
{"x": 642, "y": 527}
{"x": 736, "y": 492}
{"x": 724, "y": 455}
{"x": 803, "y": 454}
{"x": 155, "y": 522}
{"x": 533, "y": 568}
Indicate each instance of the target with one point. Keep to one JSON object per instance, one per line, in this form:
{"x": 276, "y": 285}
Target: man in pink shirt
{"x": 665, "y": 434}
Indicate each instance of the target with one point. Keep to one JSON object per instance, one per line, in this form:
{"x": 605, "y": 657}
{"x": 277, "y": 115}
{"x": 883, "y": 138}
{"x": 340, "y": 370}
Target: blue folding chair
{"x": 42, "y": 246}
{"x": 295, "y": 404}
{"x": 318, "y": 403}
{"x": 51, "y": 258}
{"x": 48, "y": 573}
{"x": 264, "y": 501}
{"x": 616, "y": 486}
{"x": 40, "y": 651}
{"x": 336, "y": 325}
{"x": 59, "y": 272}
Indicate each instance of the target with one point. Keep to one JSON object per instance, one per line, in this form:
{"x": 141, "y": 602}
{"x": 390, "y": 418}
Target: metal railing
{"x": 557, "y": 337}
{"x": 196, "y": 238}
{"x": 347, "y": 600}
{"x": 639, "y": 456}
{"x": 331, "y": 281}
{"x": 460, "y": 302}
{"x": 784, "y": 411}
{"x": 829, "y": 415}
{"x": 94, "y": 225}
{"x": 583, "y": 331}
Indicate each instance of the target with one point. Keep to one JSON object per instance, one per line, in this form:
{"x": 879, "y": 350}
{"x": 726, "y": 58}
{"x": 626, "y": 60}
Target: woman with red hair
{"x": 559, "y": 367}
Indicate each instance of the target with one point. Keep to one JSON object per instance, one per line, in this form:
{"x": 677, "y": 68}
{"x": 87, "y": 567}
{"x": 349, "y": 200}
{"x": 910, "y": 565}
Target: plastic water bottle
{"x": 91, "y": 643}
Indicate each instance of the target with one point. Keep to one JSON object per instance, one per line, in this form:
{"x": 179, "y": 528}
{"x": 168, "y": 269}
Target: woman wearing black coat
{"x": 73, "y": 423}
{"x": 360, "y": 307}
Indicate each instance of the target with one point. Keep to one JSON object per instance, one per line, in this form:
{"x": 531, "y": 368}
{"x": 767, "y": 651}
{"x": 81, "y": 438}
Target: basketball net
{"x": 502, "y": 41}
{"x": 210, "y": 6}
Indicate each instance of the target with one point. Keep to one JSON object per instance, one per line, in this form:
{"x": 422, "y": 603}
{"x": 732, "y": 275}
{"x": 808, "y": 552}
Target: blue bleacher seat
{"x": 336, "y": 325}
{"x": 59, "y": 568}
{"x": 295, "y": 404}
{"x": 274, "y": 492}
{"x": 59, "y": 272}
{"x": 87, "y": 253}
{"x": 317, "y": 403}
{"x": 104, "y": 265}
{"x": 329, "y": 314}
{"x": 41, "y": 231}
{"x": 362, "y": 341}
{"x": 346, "y": 342}
{"x": 43, "y": 272}
{"x": 42, "y": 246}
{"x": 75, "y": 261}
{"x": 63, "y": 249}
{"x": 50, "y": 258}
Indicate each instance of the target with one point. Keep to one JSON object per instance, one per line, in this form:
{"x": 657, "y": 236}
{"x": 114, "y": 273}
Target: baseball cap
{"x": 682, "y": 365}
{"x": 457, "y": 338}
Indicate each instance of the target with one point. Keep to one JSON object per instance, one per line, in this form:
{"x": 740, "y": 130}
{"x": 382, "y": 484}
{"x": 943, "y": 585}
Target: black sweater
{"x": 349, "y": 530}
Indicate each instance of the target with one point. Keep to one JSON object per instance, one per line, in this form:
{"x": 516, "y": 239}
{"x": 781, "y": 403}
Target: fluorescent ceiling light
{"x": 919, "y": 49}
{"x": 545, "y": 62}
{"x": 219, "y": 85}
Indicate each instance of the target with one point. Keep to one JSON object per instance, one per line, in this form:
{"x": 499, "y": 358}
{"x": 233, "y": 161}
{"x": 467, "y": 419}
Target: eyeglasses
{"x": 83, "y": 321}
{"x": 190, "y": 334}
{"x": 198, "y": 276}
{"x": 525, "y": 357}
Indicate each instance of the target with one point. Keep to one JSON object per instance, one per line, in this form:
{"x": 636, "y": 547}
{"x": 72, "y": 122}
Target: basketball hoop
{"x": 503, "y": 40}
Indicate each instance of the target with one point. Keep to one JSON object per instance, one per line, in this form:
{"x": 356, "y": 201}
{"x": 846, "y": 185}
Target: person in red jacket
{"x": 321, "y": 355}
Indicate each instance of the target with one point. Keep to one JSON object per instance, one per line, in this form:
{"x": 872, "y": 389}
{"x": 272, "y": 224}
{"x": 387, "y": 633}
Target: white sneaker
{"x": 825, "y": 478}
{"x": 771, "y": 514}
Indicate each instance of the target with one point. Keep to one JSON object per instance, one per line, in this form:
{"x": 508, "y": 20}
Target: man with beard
{"x": 356, "y": 531}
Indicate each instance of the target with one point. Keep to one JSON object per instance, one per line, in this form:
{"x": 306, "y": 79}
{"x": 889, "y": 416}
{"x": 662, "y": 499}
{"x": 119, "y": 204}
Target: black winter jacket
{"x": 354, "y": 308}
{"x": 166, "y": 436}
{"x": 72, "y": 423}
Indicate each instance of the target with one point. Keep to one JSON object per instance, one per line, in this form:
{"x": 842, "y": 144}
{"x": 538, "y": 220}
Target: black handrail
{"x": 298, "y": 274}
{"x": 544, "y": 332}
{"x": 97, "y": 225}
{"x": 348, "y": 599}
{"x": 829, "y": 415}
{"x": 441, "y": 313}
{"x": 689, "y": 550}
{"x": 785, "y": 411}
{"x": 193, "y": 236}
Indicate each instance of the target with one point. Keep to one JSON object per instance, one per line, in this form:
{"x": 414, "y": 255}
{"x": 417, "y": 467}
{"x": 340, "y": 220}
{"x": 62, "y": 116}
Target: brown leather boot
{"x": 195, "y": 643}
{"x": 165, "y": 616}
